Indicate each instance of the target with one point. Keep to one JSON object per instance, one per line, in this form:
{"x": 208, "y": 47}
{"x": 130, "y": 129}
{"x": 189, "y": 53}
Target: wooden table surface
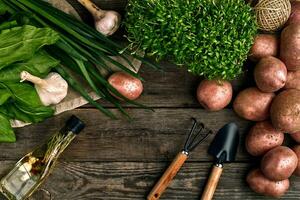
{"x": 121, "y": 160}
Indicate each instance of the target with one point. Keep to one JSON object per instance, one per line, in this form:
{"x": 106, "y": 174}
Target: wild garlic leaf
{"x": 25, "y": 104}
{"x": 39, "y": 65}
{"x": 8, "y": 25}
{"x": 5, "y": 94}
{"x": 29, "y": 114}
{"x": 6, "y": 132}
{"x": 21, "y": 43}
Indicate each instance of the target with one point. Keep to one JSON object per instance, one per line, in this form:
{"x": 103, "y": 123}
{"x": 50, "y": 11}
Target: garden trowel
{"x": 223, "y": 148}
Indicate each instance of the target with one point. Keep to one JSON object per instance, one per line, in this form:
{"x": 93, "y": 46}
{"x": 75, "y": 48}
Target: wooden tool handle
{"x": 212, "y": 183}
{"x": 167, "y": 177}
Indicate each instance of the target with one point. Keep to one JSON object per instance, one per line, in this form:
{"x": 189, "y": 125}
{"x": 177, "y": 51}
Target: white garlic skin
{"x": 55, "y": 91}
{"x": 108, "y": 24}
{"x": 26, "y": 167}
{"x": 25, "y": 177}
{"x": 51, "y": 90}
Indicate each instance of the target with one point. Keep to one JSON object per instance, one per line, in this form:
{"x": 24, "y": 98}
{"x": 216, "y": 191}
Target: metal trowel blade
{"x": 225, "y": 144}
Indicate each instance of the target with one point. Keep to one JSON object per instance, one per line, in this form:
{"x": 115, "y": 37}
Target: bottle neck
{"x": 58, "y": 143}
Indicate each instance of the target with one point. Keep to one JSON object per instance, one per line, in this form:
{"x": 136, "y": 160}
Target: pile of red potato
{"x": 274, "y": 104}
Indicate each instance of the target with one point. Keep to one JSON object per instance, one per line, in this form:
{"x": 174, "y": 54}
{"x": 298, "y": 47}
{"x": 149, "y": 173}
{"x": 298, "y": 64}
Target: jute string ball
{"x": 271, "y": 15}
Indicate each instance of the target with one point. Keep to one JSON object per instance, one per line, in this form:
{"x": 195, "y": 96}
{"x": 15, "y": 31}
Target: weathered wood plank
{"x": 133, "y": 180}
{"x": 151, "y": 136}
{"x": 174, "y": 87}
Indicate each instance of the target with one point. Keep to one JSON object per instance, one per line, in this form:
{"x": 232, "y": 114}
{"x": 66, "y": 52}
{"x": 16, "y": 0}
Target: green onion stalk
{"x": 81, "y": 50}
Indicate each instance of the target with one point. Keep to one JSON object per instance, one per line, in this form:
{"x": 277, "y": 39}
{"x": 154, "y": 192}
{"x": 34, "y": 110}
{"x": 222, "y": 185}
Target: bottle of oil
{"x": 31, "y": 170}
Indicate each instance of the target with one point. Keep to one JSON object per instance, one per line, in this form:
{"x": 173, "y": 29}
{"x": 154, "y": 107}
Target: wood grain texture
{"x": 151, "y": 136}
{"x": 121, "y": 160}
{"x": 133, "y": 181}
{"x": 174, "y": 87}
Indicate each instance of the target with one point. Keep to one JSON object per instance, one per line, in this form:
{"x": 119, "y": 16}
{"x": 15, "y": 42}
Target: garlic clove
{"x": 26, "y": 167}
{"x": 25, "y": 177}
{"x": 52, "y": 90}
{"x": 55, "y": 91}
{"x": 109, "y": 24}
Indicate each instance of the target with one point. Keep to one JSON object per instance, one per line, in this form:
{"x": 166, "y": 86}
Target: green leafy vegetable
{"x": 25, "y": 104}
{"x": 80, "y": 47}
{"x": 20, "y": 50}
{"x": 39, "y": 65}
{"x": 4, "y": 95}
{"x": 25, "y": 100}
{"x": 21, "y": 43}
{"x": 211, "y": 37}
{"x": 8, "y": 25}
{"x": 19, "y": 101}
{"x": 6, "y": 132}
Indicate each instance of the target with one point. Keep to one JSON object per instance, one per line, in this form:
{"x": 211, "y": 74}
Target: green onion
{"x": 82, "y": 50}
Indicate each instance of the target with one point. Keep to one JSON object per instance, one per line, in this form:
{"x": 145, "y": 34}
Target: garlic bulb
{"x": 26, "y": 168}
{"x": 107, "y": 22}
{"x": 52, "y": 90}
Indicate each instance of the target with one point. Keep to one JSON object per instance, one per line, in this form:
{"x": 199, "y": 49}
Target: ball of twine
{"x": 272, "y": 14}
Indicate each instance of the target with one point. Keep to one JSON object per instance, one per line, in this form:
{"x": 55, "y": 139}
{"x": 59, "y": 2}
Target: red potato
{"x": 296, "y": 136}
{"x": 296, "y": 149}
{"x": 290, "y": 47}
{"x": 127, "y": 85}
{"x": 252, "y": 104}
{"x": 261, "y": 185}
{"x": 279, "y": 163}
{"x": 295, "y": 13}
{"x": 285, "y": 111}
{"x": 262, "y": 138}
{"x": 214, "y": 95}
{"x": 293, "y": 80}
{"x": 270, "y": 74}
{"x": 264, "y": 45}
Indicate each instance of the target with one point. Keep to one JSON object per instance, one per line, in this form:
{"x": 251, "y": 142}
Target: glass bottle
{"x": 32, "y": 170}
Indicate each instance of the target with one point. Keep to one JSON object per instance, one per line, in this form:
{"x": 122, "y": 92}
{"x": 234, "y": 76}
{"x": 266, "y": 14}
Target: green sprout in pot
{"x": 211, "y": 37}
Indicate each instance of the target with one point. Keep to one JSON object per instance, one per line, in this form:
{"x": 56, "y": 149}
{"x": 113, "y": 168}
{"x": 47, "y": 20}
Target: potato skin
{"x": 279, "y": 163}
{"x": 261, "y": 185}
{"x": 270, "y": 74}
{"x": 285, "y": 111}
{"x": 290, "y": 47}
{"x": 295, "y": 13}
{"x": 214, "y": 95}
{"x": 296, "y": 136}
{"x": 129, "y": 86}
{"x": 252, "y": 104}
{"x": 262, "y": 138}
{"x": 293, "y": 80}
{"x": 264, "y": 45}
{"x": 296, "y": 149}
